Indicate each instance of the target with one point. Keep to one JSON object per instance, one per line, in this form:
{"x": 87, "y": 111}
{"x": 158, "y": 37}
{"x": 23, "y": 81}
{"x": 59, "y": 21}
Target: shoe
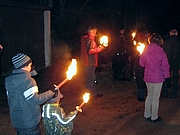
{"x": 158, "y": 119}
{"x": 148, "y": 119}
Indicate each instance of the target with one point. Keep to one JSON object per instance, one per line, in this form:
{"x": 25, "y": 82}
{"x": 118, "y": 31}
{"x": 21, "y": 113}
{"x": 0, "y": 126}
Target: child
{"x": 54, "y": 118}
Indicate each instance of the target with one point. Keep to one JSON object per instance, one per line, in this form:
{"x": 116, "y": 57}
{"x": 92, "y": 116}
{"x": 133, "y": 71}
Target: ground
{"x": 118, "y": 112}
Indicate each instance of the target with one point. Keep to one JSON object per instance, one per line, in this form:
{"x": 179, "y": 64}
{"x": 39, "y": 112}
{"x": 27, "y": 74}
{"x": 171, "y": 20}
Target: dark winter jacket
{"x": 24, "y": 100}
{"x": 172, "y": 48}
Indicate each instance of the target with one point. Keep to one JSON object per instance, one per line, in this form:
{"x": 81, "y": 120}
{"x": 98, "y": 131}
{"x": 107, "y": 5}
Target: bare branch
{"x": 80, "y": 9}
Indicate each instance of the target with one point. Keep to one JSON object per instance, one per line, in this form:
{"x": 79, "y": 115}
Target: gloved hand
{"x": 55, "y": 92}
{"x": 75, "y": 112}
{"x": 101, "y": 48}
{"x": 105, "y": 45}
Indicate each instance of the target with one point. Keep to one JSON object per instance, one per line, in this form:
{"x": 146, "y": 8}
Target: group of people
{"x": 159, "y": 62}
{"x": 155, "y": 71}
{"x": 24, "y": 102}
{"x": 24, "y": 98}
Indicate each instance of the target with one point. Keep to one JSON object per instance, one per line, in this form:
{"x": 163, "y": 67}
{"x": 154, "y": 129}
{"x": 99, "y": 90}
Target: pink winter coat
{"x": 156, "y": 64}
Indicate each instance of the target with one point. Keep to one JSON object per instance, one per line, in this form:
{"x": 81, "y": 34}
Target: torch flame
{"x": 133, "y": 35}
{"x": 86, "y": 97}
{"x": 140, "y": 47}
{"x": 104, "y": 41}
{"x": 72, "y": 69}
{"x": 134, "y": 42}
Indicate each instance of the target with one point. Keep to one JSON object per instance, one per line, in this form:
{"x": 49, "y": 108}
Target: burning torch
{"x": 104, "y": 41}
{"x": 85, "y": 100}
{"x": 72, "y": 69}
{"x": 140, "y": 47}
{"x": 133, "y": 35}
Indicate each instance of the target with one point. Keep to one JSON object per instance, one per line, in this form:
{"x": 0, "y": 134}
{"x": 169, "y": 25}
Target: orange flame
{"x": 140, "y": 47}
{"x": 72, "y": 69}
{"x": 134, "y": 42}
{"x": 104, "y": 41}
{"x": 86, "y": 97}
{"x": 133, "y": 35}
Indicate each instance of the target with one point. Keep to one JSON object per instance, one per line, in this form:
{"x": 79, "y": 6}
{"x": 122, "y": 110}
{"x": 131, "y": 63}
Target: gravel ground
{"x": 118, "y": 112}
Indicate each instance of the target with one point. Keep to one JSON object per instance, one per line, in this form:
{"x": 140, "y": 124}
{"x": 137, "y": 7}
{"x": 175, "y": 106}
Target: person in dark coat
{"x": 119, "y": 64}
{"x": 138, "y": 73}
{"x": 23, "y": 98}
{"x": 172, "y": 48}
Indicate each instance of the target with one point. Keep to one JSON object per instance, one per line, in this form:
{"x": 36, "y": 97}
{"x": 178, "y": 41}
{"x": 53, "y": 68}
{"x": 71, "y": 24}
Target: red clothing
{"x": 89, "y": 51}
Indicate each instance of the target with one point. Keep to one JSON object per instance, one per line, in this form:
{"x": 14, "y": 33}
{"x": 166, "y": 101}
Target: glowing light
{"x": 134, "y": 42}
{"x": 133, "y": 35}
{"x": 140, "y": 47}
{"x": 86, "y": 97}
{"x": 104, "y": 41}
{"x": 72, "y": 69}
{"x": 85, "y": 100}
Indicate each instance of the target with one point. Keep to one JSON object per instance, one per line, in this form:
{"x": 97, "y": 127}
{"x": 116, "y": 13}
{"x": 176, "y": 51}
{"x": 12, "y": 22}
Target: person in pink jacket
{"x": 156, "y": 65}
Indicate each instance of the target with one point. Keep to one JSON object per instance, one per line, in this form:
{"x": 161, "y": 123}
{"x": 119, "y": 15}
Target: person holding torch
{"x": 156, "y": 69}
{"x": 23, "y": 98}
{"x": 89, "y": 59}
{"x": 55, "y": 120}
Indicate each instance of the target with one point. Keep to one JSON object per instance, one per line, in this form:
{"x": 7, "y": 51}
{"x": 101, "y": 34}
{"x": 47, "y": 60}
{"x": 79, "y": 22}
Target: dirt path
{"x": 117, "y": 113}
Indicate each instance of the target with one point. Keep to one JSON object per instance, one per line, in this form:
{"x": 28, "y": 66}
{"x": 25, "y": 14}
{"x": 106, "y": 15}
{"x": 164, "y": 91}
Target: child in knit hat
{"x": 23, "y": 98}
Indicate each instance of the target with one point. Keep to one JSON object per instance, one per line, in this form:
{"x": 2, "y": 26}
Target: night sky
{"x": 153, "y": 15}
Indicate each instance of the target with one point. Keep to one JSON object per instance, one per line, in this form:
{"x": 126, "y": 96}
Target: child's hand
{"x": 75, "y": 111}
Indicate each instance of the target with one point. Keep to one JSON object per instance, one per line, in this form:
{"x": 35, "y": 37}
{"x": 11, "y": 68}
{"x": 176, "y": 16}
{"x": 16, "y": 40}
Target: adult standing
{"x": 156, "y": 65}
{"x": 23, "y": 98}
{"x": 122, "y": 46}
{"x": 172, "y": 48}
{"x": 89, "y": 59}
{"x": 138, "y": 73}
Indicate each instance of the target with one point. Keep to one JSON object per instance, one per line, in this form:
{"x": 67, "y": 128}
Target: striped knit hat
{"x": 20, "y": 60}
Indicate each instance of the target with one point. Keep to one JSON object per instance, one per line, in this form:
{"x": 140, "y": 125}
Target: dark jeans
{"x": 141, "y": 85}
{"x": 175, "y": 76}
{"x": 28, "y": 131}
{"x": 167, "y": 84}
{"x": 90, "y": 79}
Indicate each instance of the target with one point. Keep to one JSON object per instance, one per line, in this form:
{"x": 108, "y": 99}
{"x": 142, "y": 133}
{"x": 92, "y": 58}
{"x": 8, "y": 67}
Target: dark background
{"x": 71, "y": 18}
